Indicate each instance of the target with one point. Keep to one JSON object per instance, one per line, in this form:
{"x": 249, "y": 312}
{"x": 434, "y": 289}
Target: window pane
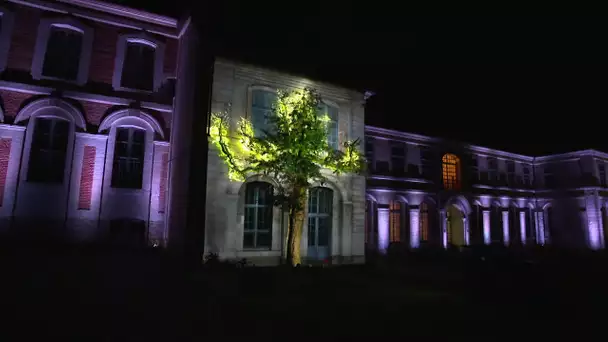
{"x": 138, "y": 66}
{"x": 323, "y": 231}
{"x": 312, "y": 231}
{"x": 263, "y": 240}
{"x": 122, "y": 134}
{"x": 248, "y": 240}
{"x": 128, "y": 159}
{"x": 139, "y": 136}
{"x": 48, "y": 151}
{"x": 62, "y": 56}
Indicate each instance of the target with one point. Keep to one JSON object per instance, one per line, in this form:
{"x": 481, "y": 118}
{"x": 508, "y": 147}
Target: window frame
{"x": 326, "y": 104}
{"x": 250, "y": 92}
{"x": 6, "y": 31}
{"x": 446, "y": 164}
{"x": 121, "y": 49}
{"x": 257, "y": 208}
{"x": 30, "y": 177}
{"x": 115, "y": 183}
{"x": 42, "y": 39}
{"x": 316, "y": 215}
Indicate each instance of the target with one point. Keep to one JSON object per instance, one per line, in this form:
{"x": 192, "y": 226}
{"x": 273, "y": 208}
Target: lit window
{"x": 451, "y": 172}
{"x": 395, "y": 221}
{"x": 424, "y": 222}
{"x": 257, "y": 232}
{"x": 128, "y": 158}
{"x": 262, "y": 110}
{"x": 48, "y": 150}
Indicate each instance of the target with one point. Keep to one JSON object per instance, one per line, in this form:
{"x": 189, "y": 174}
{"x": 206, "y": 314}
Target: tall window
{"x": 527, "y": 178}
{"x": 371, "y": 227}
{"x": 492, "y": 169}
{"x": 424, "y": 222}
{"x": 262, "y": 109}
{"x": 549, "y": 175}
{"x": 398, "y": 158}
{"x": 138, "y": 66}
{"x": 451, "y": 172}
{"x": 511, "y": 172}
{"x": 257, "y": 232}
{"x": 426, "y": 161}
{"x": 395, "y": 221}
{"x": 332, "y": 126}
{"x": 320, "y": 203}
{"x": 128, "y": 158}
{"x": 62, "y": 56}
{"x": 474, "y": 168}
{"x": 48, "y": 150}
{"x": 369, "y": 153}
{"x": 602, "y": 172}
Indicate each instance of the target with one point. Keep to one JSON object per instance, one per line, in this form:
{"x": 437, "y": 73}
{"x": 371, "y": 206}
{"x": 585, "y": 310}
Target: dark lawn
{"x": 146, "y": 296}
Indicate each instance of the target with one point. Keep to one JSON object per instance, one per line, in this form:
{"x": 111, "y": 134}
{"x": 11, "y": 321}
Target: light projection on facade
{"x": 522, "y": 226}
{"x": 486, "y": 227}
{"x": 505, "y": 227}
{"x": 383, "y": 227}
{"x": 415, "y": 228}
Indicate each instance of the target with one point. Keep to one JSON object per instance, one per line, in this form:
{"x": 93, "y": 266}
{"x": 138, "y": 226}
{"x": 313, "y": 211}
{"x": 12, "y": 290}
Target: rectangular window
{"x": 426, "y": 161}
{"x": 332, "y": 125}
{"x": 382, "y": 167}
{"x": 138, "y": 66}
{"x": 262, "y": 110}
{"x": 602, "y": 172}
{"x": 492, "y": 169}
{"x": 128, "y": 158}
{"x": 474, "y": 168}
{"x": 395, "y": 222}
{"x": 398, "y": 159}
{"x": 511, "y": 173}
{"x": 62, "y": 56}
{"x": 527, "y": 179}
{"x": 549, "y": 175}
{"x": 257, "y": 232}
{"x": 48, "y": 151}
{"x": 369, "y": 153}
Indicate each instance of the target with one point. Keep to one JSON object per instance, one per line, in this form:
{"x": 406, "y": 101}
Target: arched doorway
{"x": 514, "y": 225}
{"x": 429, "y": 230}
{"x": 496, "y": 229}
{"x": 456, "y": 233}
{"x": 476, "y": 225}
{"x": 371, "y": 225}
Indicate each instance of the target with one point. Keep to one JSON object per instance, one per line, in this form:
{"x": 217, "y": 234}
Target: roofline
{"x": 487, "y": 150}
{"x": 124, "y": 11}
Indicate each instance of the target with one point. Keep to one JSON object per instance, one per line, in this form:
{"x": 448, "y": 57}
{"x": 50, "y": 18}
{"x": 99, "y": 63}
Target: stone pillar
{"x": 383, "y": 229}
{"x": 522, "y": 226}
{"x": 414, "y": 227}
{"x": 443, "y": 221}
{"x": 486, "y": 227}
{"x": 540, "y": 227}
{"x": 505, "y": 227}
{"x": 592, "y": 221}
{"x": 347, "y": 230}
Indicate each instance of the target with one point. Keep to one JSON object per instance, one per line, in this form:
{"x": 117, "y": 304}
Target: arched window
{"x": 395, "y": 221}
{"x": 262, "y": 109}
{"x": 320, "y": 205}
{"x": 48, "y": 150}
{"x": 424, "y": 222}
{"x": 257, "y": 232}
{"x": 451, "y": 172}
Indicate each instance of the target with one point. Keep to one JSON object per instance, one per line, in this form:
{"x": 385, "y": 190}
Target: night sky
{"x": 531, "y": 85}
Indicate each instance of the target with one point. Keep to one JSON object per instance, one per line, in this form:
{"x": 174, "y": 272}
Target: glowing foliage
{"x": 294, "y": 151}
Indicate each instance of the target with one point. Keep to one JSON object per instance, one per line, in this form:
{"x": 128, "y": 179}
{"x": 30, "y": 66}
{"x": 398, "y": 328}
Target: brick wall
{"x": 104, "y": 52}
{"x": 12, "y": 101}
{"x": 94, "y": 112}
{"x": 86, "y": 178}
{"x": 5, "y": 154}
{"x": 24, "y": 38}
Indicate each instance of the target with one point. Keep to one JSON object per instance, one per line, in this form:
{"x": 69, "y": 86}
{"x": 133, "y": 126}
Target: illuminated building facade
{"x": 428, "y": 191}
{"x": 87, "y": 91}
{"x": 241, "y": 221}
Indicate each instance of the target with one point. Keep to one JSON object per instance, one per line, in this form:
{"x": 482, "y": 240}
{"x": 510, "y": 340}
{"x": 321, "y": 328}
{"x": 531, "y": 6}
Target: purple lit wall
{"x": 522, "y": 226}
{"x": 414, "y": 228}
{"x": 444, "y": 228}
{"x": 505, "y": 226}
{"x": 383, "y": 227}
{"x": 486, "y": 227}
{"x": 593, "y": 225}
{"x": 540, "y": 227}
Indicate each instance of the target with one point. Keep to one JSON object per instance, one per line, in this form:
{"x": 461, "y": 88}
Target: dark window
{"x": 258, "y": 215}
{"x": 549, "y": 176}
{"x": 128, "y": 158}
{"x": 511, "y": 173}
{"x": 320, "y": 205}
{"x": 426, "y": 157}
{"x": 262, "y": 110}
{"x": 62, "y": 56}
{"x": 138, "y": 66}
{"x": 602, "y": 172}
{"x": 382, "y": 167}
{"x": 369, "y": 153}
{"x": 48, "y": 150}
{"x": 474, "y": 168}
{"x": 398, "y": 159}
{"x": 527, "y": 179}
{"x": 492, "y": 169}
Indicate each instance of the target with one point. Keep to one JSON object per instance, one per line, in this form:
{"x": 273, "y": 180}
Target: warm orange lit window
{"x": 395, "y": 221}
{"x": 451, "y": 172}
{"x": 424, "y": 222}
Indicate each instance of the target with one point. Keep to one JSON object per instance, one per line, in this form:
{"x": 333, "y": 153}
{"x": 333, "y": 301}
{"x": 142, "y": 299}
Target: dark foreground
{"x": 146, "y": 295}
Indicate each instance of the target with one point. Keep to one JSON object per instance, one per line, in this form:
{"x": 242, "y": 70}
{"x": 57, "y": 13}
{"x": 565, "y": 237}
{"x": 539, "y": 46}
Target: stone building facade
{"x": 240, "y": 220}
{"x": 429, "y": 191}
{"x": 87, "y": 93}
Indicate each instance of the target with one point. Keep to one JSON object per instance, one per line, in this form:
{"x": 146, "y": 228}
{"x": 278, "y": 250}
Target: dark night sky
{"x": 523, "y": 84}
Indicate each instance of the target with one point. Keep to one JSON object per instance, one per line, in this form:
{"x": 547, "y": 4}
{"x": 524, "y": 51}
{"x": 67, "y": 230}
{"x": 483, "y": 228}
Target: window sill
{"x": 134, "y": 90}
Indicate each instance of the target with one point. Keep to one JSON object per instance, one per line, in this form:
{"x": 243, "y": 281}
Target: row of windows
{"x": 48, "y": 154}
{"x": 64, "y": 47}
{"x": 259, "y": 202}
{"x": 262, "y": 109}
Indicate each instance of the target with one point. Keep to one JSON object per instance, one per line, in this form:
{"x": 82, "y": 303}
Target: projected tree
{"x": 294, "y": 151}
